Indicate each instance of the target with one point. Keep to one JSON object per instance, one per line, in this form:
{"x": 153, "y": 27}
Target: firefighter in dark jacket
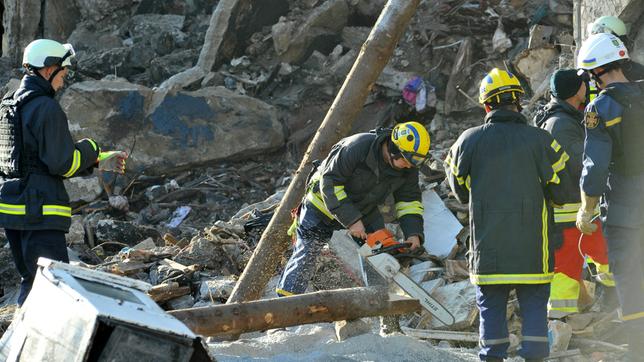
{"x": 613, "y": 169}
{"x": 345, "y": 191}
{"x": 509, "y": 172}
{"x": 562, "y": 118}
{"x": 34, "y": 205}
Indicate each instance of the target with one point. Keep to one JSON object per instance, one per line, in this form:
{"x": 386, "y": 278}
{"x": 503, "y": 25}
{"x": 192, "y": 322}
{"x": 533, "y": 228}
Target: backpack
{"x": 12, "y": 151}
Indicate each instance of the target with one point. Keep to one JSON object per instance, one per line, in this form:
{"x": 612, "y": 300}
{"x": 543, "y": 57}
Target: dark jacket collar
{"x": 557, "y": 105}
{"x": 504, "y": 115}
{"x": 33, "y": 83}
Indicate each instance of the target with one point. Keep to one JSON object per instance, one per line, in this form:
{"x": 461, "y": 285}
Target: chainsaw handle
{"x": 391, "y": 248}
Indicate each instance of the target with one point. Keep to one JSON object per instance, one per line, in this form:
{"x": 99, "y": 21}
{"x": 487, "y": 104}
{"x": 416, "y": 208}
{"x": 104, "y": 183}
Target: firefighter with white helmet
{"x": 36, "y": 155}
{"x": 613, "y": 171}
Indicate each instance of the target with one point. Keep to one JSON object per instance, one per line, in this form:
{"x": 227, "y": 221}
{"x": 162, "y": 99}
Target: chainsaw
{"x": 380, "y": 250}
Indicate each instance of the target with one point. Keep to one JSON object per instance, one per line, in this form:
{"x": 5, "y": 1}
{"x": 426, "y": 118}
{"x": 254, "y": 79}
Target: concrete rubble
{"x": 209, "y": 163}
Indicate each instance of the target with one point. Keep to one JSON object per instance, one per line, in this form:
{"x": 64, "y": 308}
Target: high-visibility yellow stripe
{"x": 564, "y": 292}
{"x": 468, "y": 183}
{"x": 12, "y": 209}
{"x": 571, "y": 207}
{"x": 339, "y": 192}
{"x": 58, "y": 210}
{"x": 555, "y": 146}
{"x": 561, "y": 164}
{"x": 489, "y": 279}
{"x": 544, "y": 232}
{"x": 632, "y": 316}
{"x": 317, "y": 201}
{"x": 91, "y": 142}
{"x": 76, "y": 161}
{"x": 452, "y": 166}
{"x": 407, "y": 208}
{"x": 283, "y": 292}
{"x": 613, "y": 121}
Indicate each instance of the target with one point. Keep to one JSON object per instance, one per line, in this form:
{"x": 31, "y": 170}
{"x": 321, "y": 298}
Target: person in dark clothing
{"x": 508, "y": 172}
{"x": 613, "y": 171}
{"x": 562, "y": 118}
{"x": 359, "y": 173}
{"x": 34, "y": 205}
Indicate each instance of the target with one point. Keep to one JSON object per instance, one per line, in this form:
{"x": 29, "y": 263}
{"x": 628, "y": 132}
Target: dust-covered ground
{"x": 317, "y": 342}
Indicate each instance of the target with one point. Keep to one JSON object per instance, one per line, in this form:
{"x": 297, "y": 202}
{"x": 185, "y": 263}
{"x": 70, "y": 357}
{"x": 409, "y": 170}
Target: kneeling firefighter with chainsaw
{"x": 360, "y": 172}
{"x": 509, "y": 171}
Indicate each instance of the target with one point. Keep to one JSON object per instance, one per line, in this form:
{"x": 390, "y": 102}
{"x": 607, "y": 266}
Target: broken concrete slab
{"x": 217, "y": 289}
{"x": 441, "y": 226}
{"x": 535, "y": 64}
{"x": 61, "y": 20}
{"x": 354, "y": 36}
{"x": 540, "y": 35}
{"x": 186, "y": 129}
{"x": 97, "y": 10}
{"x": 347, "y": 329}
{"x": 460, "y": 300}
{"x": 85, "y": 189}
{"x": 319, "y": 31}
{"x": 76, "y": 234}
{"x": 20, "y": 22}
{"x": 123, "y": 232}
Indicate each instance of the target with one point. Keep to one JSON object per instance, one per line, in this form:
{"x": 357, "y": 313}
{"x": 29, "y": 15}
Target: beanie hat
{"x": 565, "y": 83}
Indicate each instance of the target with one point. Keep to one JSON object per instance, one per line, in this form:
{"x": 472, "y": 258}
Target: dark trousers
{"x": 313, "y": 231}
{"x": 492, "y": 301}
{"x": 29, "y": 245}
{"x": 625, "y": 255}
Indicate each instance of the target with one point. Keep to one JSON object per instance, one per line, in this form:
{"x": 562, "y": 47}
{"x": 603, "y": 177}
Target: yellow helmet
{"x": 412, "y": 141}
{"x": 498, "y": 82}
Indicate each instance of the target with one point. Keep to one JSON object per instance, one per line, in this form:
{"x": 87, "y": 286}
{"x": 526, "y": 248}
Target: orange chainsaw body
{"x": 381, "y": 239}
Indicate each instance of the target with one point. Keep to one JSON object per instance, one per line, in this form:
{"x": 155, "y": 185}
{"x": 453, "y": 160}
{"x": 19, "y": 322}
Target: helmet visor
{"x": 416, "y": 159}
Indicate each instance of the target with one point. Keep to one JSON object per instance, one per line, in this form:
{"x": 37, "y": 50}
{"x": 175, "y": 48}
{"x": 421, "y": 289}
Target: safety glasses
{"x": 416, "y": 159}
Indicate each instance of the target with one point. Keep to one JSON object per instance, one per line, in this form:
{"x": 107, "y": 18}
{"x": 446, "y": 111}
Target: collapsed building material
{"x": 337, "y": 123}
{"x": 77, "y": 314}
{"x": 442, "y": 335}
{"x": 322, "y": 306}
{"x": 441, "y": 226}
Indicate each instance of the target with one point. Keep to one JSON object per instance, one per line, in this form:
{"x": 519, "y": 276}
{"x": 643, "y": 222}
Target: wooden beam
{"x": 322, "y": 306}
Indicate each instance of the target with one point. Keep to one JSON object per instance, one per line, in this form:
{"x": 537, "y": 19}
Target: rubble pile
{"x": 210, "y": 162}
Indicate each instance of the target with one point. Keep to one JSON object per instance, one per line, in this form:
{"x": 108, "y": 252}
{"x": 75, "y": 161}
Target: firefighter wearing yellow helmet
{"x": 344, "y": 192}
{"x": 509, "y": 172}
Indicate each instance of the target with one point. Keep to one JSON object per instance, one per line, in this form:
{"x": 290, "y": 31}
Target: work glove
{"x": 112, "y": 161}
{"x": 585, "y": 221}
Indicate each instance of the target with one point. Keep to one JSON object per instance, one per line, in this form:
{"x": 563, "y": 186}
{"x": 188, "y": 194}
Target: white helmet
{"x": 44, "y": 52}
{"x": 607, "y": 24}
{"x": 599, "y": 50}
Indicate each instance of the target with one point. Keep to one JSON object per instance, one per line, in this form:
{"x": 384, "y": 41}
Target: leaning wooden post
{"x": 322, "y": 306}
{"x": 374, "y": 55}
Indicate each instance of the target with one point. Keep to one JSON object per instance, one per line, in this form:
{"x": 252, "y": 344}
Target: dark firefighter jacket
{"x": 354, "y": 179}
{"x": 508, "y": 171}
{"x": 39, "y": 200}
{"x": 565, "y": 124}
{"x": 613, "y": 153}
